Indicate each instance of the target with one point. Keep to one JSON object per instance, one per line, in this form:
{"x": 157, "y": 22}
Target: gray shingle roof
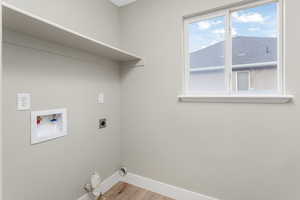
{"x": 246, "y": 50}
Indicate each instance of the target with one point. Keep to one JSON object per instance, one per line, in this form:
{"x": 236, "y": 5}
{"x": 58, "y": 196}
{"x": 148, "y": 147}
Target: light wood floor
{"x": 124, "y": 191}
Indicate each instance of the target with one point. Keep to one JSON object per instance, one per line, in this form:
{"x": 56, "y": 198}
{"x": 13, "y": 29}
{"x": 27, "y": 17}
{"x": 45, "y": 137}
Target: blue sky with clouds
{"x": 260, "y": 21}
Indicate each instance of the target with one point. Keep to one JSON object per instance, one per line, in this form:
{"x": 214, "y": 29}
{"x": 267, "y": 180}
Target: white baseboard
{"x": 151, "y": 185}
{"x": 110, "y": 182}
{"x": 164, "y": 189}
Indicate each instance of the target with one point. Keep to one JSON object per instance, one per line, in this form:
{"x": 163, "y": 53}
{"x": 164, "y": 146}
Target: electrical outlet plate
{"x": 100, "y": 98}
{"x": 23, "y": 101}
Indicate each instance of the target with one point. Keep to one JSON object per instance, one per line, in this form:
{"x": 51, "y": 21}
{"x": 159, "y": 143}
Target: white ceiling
{"x": 122, "y": 2}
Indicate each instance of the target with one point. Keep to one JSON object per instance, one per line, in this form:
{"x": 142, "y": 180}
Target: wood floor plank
{"x": 125, "y": 191}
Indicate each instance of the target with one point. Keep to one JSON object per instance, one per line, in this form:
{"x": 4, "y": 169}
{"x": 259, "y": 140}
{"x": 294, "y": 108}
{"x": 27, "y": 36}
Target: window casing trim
{"x": 251, "y": 99}
{"x": 226, "y": 11}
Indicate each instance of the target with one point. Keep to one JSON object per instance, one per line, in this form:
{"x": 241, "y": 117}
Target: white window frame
{"x": 230, "y": 92}
{"x": 186, "y": 45}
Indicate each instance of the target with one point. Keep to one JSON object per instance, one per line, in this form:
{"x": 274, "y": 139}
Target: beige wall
{"x": 228, "y": 151}
{"x": 58, "y": 77}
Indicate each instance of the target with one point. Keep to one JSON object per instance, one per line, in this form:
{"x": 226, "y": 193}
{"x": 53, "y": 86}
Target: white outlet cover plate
{"x": 23, "y": 101}
{"x": 101, "y": 98}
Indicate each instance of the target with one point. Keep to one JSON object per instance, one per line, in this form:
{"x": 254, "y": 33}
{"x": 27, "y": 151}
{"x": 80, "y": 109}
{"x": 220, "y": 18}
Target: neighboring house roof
{"x": 246, "y": 50}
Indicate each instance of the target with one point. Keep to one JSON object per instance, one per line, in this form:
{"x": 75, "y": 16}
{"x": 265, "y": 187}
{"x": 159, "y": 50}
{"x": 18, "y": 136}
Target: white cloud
{"x": 217, "y": 22}
{"x": 253, "y": 29}
{"x": 248, "y": 17}
{"x": 203, "y": 25}
{"x": 221, "y": 32}
{"x": 233, "y": 32}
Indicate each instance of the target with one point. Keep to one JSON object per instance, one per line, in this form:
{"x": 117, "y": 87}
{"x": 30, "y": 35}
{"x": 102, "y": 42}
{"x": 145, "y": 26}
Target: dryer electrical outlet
{"x": 102, "y": 123}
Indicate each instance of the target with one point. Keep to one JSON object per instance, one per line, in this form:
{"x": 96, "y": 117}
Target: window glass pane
{"x": 243, "y": 81}
{"x": 254, "y": 46}
{"x": 206, "y": 55}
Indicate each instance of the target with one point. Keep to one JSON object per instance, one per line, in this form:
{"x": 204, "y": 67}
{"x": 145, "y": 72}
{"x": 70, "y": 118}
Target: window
{"x": 235, "y": 51}
{"x": 243, "y": 81}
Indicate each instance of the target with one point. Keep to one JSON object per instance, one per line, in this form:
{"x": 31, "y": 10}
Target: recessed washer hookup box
{"x": 48, "y": 124}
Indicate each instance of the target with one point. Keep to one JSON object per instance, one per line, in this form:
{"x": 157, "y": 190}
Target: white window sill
{"x": 279, "y": 99}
